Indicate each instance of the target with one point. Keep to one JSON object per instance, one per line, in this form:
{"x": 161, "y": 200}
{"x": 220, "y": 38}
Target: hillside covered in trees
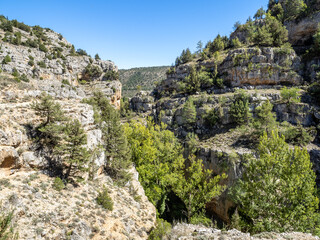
{"x": 135, "y": 79}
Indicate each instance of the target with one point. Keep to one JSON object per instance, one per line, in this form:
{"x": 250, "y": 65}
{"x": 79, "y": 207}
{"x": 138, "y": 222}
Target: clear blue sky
{"x": 134, "y": 33}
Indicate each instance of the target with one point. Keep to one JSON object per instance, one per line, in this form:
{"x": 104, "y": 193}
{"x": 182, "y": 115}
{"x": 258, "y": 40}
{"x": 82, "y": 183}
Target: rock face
{"x": 142, "y": 102}
{"x": 47, "y": 64}
{"x": 265, "y": 66}
{"x": 195, "y": 232}
{"x": 301, "y": 33}
{"x": 41, "y": 212}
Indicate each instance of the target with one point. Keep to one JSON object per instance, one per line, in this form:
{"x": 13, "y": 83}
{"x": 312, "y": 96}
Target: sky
{"x": 134, "y": 33}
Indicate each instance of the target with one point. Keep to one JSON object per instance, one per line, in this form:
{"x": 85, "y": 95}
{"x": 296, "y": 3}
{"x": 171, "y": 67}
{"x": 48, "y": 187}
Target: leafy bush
{"x": 58, "y": 184}
{"x": 201, "y": 219}
{"x": 110, "y": 75}
{"x": 297, "y": 135}
{"x": 82, "y": 52}
{"x": 105, "y": 200}
{"x": 290, "y": 95}
{"x": 24, "y": 78}
{"x": 163, "y": 228}
{"x": 42, "y": 64}
{"x": 43, "y": 48}
{"x": 6, "y": 59}
{"x": 66, "y": 82}
{"x": 92, "y": 71}
{"x": 189, "y": 113}
{"x": 212, "y": 117}
{"x": 314, "y": 91}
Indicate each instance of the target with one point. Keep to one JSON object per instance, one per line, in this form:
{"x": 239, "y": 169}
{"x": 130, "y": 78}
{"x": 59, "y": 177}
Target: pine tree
{"x": 265, "y": 119}
{"x": 259, "y": 14}
{"x": 189, "y": 113}
{"x": 97, "y": 57}
{"x": 278, "y": 190}
{"x": 71, "y": 148}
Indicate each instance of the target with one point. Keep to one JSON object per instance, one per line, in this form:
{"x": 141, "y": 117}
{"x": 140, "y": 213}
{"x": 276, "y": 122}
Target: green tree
{"x": 235, "y": 43}
{"x": 49, "y": 130}
{"x": 239, "y": 109}
{"x": 199, "y": 47}
{"x": 189, "y": 113}
{"x": 71, "y": 149}
{"x": 259, "y": 14}
{"x": 218, "y": 44}
{"x": 97, "y": 57}
{"x": 265, "y": 120}
{"x": 115, "y": 143}
{"x": 157, "y": 155}
{"x": 293, "y": 8}
{"x": 278, "y": 191}
{"x": 197, "y": 186}
{"x": 192, "y": 81}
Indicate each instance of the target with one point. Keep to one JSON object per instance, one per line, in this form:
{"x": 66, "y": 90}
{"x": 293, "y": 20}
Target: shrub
{"x": 6, "y": 230}
{"x": 298, "y": 135}
{"x": 201, "y": 219}
{"x": 105, "y": 200}
{"x": 66, "y": 82}
{"x": 239, "y": 109}
{"x": 42, "y": 64}
{"x": 24, "y": 78}
{"x": 290, "y": 95}
{"x": 31, "y": 63}
{"x": 58, "y": 184}
{"x": 212, "y": 117}
{"x": 43, "y": 48}
{"x": 110, "y": 75}
{"x": 189, "y": 113}
{"x": 6, "y": 59}
{"x": 163, "y": 228}
{"x": 92, "y": 71}
{"x": 82, "y": 52}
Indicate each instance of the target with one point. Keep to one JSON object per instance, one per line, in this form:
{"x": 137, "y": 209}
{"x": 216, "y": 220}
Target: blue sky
{"x": 134, "y": 33}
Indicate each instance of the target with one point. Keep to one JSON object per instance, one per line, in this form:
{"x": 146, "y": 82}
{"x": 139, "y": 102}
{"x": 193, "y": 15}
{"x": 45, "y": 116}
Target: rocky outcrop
{"x": 184, "y": 231}
{"x": 142, "y": 102}
{"x": 45, "y": 64}
{"x": 301, "y": 33}
{"x": 42, "y": 212}
{"x": 265, "y": 66}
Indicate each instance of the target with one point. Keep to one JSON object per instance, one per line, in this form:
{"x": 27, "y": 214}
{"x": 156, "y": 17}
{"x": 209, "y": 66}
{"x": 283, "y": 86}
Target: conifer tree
{"x": 189, "y": 113}
{"x": 265, "y": 119}
{"x": 278, "y": 190}
{"x": 71, "y": 148}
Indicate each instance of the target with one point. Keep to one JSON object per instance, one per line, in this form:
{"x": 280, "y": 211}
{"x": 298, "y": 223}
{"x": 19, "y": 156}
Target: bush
{"x": 6, "y": 59}
{"x": 290, "y": 95}
{"x": 24, "y": 78}
{"x": 212, "y": 117}
{"x": 58, "y": 184}
{"x": 92, "y": 71}
{"x": 66, "y": 82}
{"x": 6, "y": 230}
{"x": 110, "y": 75}
{"x": 105, "y": 200}
{"x": 82, "y": 52}
{"x": 201, "y": 219}
{"x": 239, "y": 109}
{"x": 163, "y": 228}
{"x": 298, "y": 135}
{"x": 42, "y": 64}
{"x": 43, "y": 48}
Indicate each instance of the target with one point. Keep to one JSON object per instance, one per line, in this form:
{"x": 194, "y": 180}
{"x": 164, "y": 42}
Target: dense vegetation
{"x": 136, "y": 79}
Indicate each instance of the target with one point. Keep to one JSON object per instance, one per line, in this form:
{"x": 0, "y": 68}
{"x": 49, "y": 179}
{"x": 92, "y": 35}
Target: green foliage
{"x": 293, "y": 9}
{"x": 115, "y": 142}
{"x": 239, "y": 109}
{"x": 297, "y": 135}
{"x": 157, "y": 155}
{"x": 105, "y": 200}
{"x": 58, "y": 184}
{"x": 290, "y": 95}
{"x": 278, "y": 190}
{"x": 49, "y": 130}
{"x": 201, "y": 219}
{"x": 91, "y": 71}
{"x": 81, "y": 52}
{"x": 189, "y": 113}
{"x": 265, "y": 120}
{"x": 197, "y": 186}
{"x": 163, "y": 228}
{"x": 6, "y": 59}
{"x": 42, "y": 64}
{"x": 111, "y": 75}
{"x": 7, "y": 26}
{"x": 42, "y": 48}
{"x": 6, "y": 228}
{"x": 235, "y": 43}
{"x": 212, "y": 117}
{"x": 66, "y": 82}
{"x": 71, "y": 149}
{"x": 185, "y": 57}
{"x": 314, "y": 91}
{"x": 97, "y": 57}
{"x": 259, "y": 14}
{"x": 192, "y": 81}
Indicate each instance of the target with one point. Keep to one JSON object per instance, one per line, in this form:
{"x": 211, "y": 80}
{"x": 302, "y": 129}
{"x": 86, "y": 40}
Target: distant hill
{"x": 146, "y": 77}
